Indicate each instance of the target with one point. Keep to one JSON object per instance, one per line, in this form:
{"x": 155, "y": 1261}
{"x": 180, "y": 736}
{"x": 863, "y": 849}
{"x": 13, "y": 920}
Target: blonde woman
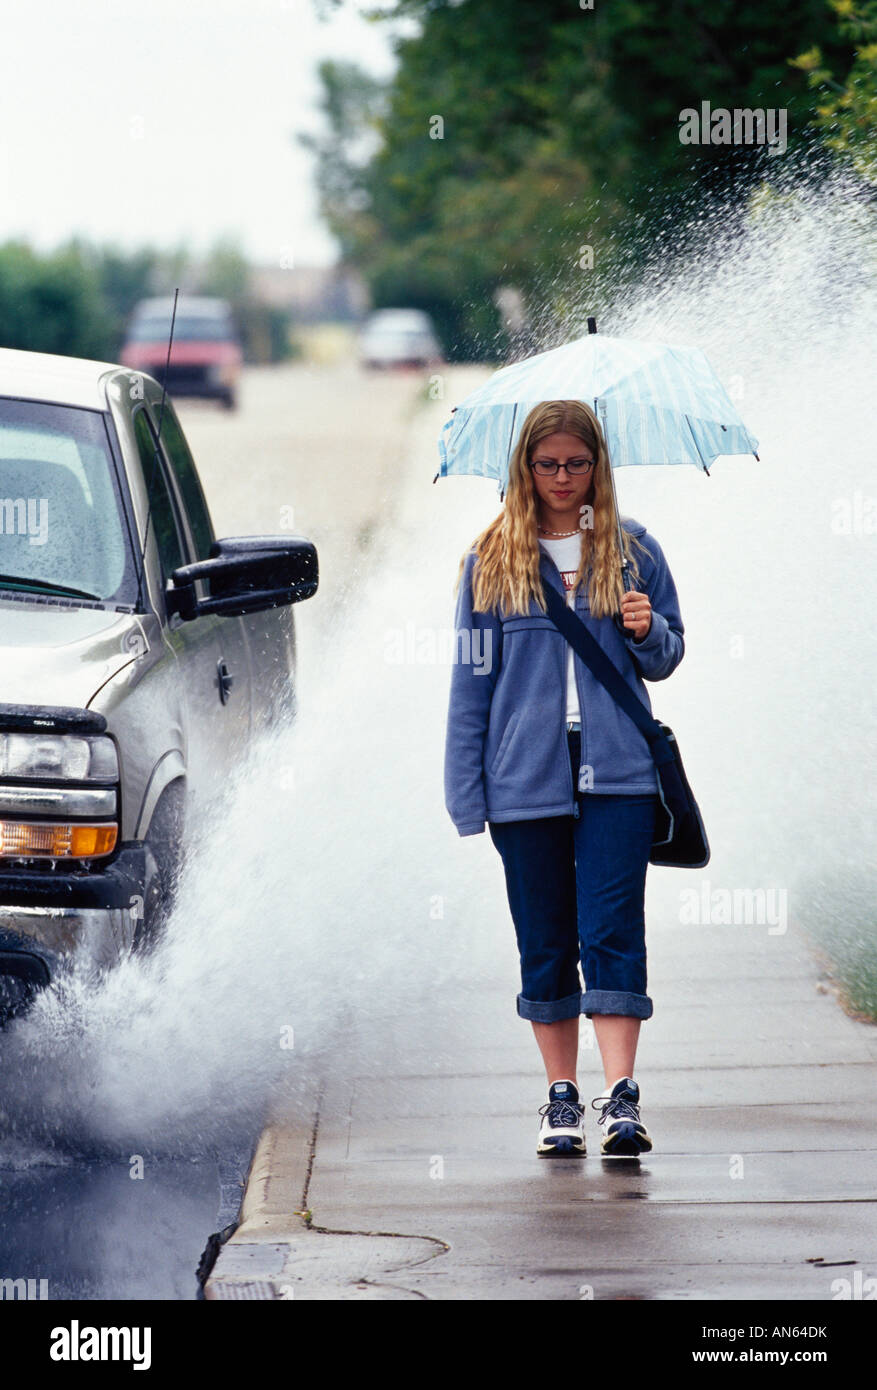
{"x": 539, "y": 751}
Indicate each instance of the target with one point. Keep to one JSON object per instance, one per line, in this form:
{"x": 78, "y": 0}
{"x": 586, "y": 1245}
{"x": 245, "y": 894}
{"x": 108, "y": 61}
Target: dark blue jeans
{"x": 576, "y": 889}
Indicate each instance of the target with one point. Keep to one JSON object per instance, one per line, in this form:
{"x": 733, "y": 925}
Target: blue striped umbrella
{"x": 656, "y": 404}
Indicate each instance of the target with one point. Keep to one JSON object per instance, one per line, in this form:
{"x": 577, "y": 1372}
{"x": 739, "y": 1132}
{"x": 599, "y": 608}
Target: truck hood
{"x": 56, "y": 655}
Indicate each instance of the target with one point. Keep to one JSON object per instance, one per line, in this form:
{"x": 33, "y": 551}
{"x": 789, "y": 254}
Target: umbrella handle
{"x": 627, "y": 585}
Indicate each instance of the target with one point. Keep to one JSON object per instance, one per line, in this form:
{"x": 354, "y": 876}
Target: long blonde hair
{"x": 506, "y": 575}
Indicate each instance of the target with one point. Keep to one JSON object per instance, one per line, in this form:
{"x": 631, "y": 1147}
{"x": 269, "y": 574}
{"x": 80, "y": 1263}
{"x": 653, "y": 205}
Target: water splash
{"x": 334, "y": 898}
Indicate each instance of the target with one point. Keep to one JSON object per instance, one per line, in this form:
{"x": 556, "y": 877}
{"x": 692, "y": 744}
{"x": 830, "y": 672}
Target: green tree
{"x": 513, "y": 137}
{"x": 846, "y": 112}
{"x": 77, "y": 300}
{"x": 226, "y": 271}
{"x": 51, "y": 303}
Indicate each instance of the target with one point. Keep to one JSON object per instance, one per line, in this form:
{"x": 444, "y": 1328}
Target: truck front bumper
{"x": 49, "y": 919}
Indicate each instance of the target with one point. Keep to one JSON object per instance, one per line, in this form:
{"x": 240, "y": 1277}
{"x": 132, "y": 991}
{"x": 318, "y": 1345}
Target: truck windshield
{"x": 62, "y": 530}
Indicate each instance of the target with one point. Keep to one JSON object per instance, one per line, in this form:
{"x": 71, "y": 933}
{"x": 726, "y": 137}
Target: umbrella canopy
{"x": 656, "y": 404}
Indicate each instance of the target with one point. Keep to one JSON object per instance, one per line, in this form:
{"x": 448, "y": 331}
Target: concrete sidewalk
{"x": 423, "y": 1181}
{"x": 416, "y": 1176}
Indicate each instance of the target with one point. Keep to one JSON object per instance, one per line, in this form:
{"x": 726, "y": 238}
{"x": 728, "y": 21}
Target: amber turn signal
{"x": 29, "y": 838}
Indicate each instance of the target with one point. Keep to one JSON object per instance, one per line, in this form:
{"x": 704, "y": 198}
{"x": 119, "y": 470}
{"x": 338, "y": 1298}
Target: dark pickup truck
{"x": 139, "y": 656}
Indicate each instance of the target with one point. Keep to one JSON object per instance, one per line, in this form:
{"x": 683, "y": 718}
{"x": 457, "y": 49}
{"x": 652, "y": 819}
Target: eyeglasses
{"x": 546, "y": 468}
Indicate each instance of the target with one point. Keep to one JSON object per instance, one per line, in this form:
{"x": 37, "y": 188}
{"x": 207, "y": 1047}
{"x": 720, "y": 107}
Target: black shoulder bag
{"x": 680, "y": 838}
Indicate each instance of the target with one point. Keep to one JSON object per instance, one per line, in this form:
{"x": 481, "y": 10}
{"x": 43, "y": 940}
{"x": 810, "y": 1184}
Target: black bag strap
{"x": 606, "y": 672}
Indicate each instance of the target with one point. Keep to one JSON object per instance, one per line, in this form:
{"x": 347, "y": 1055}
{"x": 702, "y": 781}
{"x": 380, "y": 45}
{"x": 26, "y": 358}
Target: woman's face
{"x": 563, "y": 492}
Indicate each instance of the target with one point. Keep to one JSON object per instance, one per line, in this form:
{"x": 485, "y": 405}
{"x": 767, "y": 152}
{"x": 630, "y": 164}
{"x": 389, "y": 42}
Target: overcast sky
{"x": 169, "y": 120}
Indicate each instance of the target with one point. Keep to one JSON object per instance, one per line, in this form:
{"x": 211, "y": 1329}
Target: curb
{"x": 276, "y": 1254}
{"x": 272, "y": 1214}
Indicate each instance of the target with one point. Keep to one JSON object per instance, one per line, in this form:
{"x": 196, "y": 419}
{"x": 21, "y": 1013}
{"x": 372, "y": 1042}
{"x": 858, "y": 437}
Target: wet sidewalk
{"x": 420, "y": 1180}
{"x": 414, "y": 1172}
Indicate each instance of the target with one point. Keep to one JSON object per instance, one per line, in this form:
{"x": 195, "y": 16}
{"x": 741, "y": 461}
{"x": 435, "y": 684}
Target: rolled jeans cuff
{"x": 616, "y": 1001}
{"x": 550, "y": 1010}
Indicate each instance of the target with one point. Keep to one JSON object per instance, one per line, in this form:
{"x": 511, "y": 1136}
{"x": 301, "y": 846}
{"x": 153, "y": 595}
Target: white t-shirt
{"x": 566, "y": 553}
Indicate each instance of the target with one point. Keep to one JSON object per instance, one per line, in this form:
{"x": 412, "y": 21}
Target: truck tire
{"x": 164, "y": 839}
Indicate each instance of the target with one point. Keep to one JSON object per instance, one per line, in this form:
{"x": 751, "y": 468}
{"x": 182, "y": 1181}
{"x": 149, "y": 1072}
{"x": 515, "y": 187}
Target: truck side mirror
{"x": 246, "y": 574}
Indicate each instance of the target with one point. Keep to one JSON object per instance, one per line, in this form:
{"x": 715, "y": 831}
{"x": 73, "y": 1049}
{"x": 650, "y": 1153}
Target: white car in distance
{"x": 399, "y": 338}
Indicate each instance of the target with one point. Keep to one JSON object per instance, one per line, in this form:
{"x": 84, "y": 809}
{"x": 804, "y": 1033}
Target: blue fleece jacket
{"x": 506, "y": 752}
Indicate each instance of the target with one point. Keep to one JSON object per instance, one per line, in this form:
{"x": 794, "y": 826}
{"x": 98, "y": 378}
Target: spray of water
{"x": 324, "y": 914}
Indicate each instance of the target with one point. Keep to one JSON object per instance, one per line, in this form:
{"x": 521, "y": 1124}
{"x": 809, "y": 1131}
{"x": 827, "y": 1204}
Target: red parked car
{"x": 206, "y": 354}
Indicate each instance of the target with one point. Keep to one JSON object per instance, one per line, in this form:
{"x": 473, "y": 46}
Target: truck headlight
{"x": 50, "y": 757}
{"x": 45, "y": 811}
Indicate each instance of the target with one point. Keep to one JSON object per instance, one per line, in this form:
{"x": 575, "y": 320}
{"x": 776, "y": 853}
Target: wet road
{"x": 93, "y": 1229}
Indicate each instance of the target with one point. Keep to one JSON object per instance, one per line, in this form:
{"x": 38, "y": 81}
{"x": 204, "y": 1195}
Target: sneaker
{"x": 622, "y": 1132}
{"x": 562, "y": 1133}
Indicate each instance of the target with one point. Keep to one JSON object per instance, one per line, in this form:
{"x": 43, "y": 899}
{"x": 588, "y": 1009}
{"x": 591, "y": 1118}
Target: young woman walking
{"x": 539, "y": 751}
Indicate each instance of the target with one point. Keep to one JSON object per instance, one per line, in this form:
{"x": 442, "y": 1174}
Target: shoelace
{"x": 619, "y": 1109}
{"x": 561, "y": 1114}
